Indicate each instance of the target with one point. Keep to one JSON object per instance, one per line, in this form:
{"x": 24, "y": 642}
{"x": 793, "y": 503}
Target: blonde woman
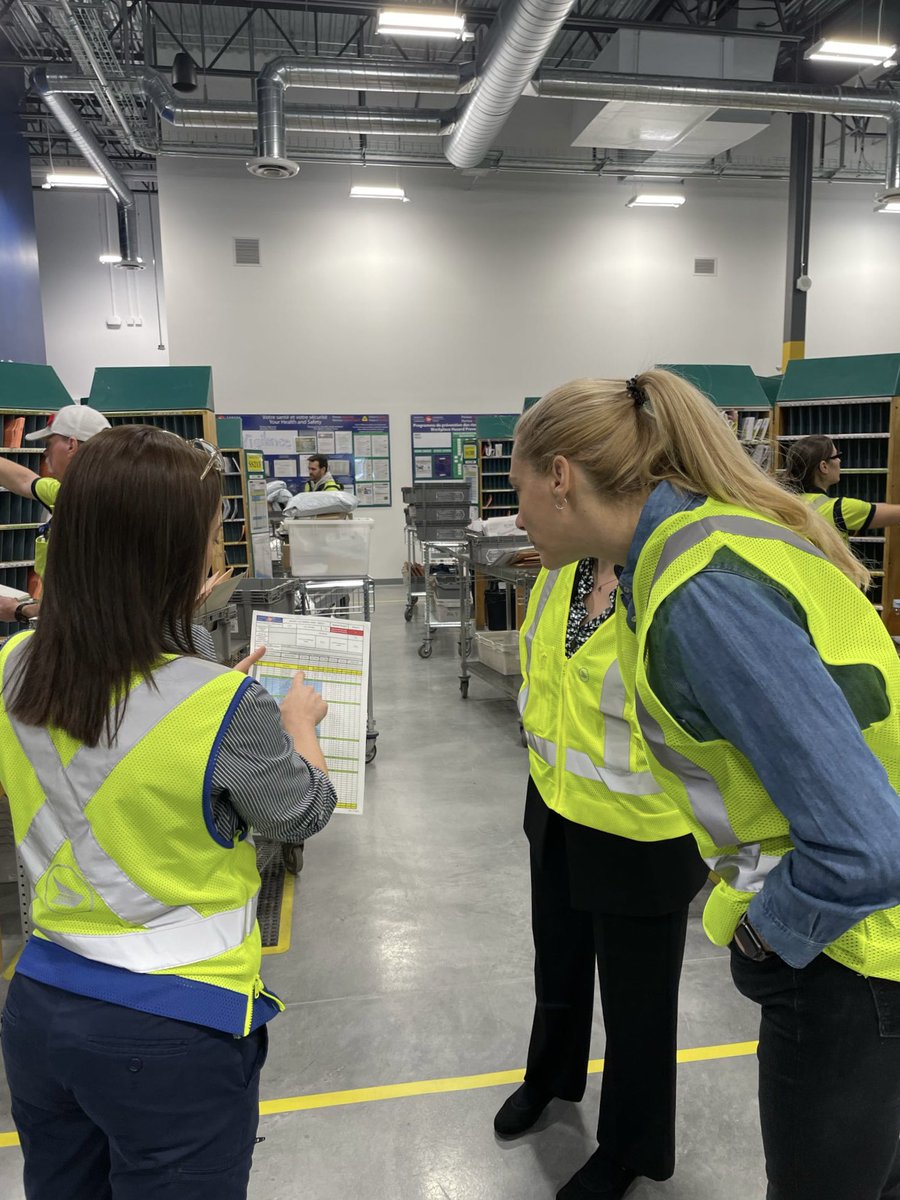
{"x": 768, "y": 695}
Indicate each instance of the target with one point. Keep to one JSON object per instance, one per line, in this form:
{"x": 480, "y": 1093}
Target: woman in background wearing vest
{"x": 812, "y": 465}
{"x": 613, "y": 870}
{"x": 135, "y": 1027}
{"x": 767, "y": 692}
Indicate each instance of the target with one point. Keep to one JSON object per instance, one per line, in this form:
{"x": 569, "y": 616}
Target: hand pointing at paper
{"x": 302, "y": 710}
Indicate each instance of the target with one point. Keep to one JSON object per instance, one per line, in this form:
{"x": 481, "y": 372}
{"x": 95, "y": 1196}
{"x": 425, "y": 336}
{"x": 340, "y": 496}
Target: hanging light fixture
{"x": 366, "y": 192}
{"x": 861, "y": 53}
{"x": 422, "y": 22}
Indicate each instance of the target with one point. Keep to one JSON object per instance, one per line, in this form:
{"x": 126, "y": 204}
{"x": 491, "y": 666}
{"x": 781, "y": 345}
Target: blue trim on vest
{"x": 210, "y": 767}
{"x": 163, "y": 995}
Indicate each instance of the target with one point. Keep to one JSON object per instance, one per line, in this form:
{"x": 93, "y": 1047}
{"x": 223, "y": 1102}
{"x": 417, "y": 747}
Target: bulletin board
{"x": 445, "y": 446}
{"x": 358, "y": 450}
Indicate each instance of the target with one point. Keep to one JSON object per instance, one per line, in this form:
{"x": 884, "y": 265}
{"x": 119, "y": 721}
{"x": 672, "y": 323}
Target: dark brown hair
{"x": 801, "y": 461}
{"x": 321, "y": 459}
{"x": 127, "y": 559}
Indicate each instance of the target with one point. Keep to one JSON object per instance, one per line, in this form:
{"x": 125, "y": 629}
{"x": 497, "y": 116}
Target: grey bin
{"x": 261, "y": 595}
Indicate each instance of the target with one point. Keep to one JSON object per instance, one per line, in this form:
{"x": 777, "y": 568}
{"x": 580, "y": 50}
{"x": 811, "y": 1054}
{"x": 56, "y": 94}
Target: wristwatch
{"x": 749, "y": 942}
{"x": 21, "y": 619}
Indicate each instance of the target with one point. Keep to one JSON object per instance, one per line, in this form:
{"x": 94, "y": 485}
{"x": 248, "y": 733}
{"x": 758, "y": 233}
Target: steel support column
{"x": 799, "y": 210}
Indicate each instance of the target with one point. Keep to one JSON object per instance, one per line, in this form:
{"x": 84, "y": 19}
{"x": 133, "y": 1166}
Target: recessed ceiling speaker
{"x": 184, "y": 73}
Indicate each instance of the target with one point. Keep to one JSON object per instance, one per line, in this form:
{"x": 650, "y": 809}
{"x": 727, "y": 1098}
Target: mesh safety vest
{"x": 741, "y": 834}
{"x": 845, "y": 513}
{"x": 118, "y": 841}
{"x": 584, "y": 748}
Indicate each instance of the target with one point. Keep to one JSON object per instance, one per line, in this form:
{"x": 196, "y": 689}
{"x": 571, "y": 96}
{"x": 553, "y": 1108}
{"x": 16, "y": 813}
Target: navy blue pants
{"x": 114, "y": 1104}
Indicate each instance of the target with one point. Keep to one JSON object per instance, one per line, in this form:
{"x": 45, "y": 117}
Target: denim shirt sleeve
{"x": 730, "y": 658}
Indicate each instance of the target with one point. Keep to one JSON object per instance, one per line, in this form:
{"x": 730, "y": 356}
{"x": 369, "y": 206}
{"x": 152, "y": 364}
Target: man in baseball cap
{"x": 66, "y": 430}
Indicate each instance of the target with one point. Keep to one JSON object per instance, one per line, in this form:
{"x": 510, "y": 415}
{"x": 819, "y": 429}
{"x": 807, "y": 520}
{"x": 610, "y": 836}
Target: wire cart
{"x": 431, "y": 552}
{"x": 475, "y": 562}
{"x": 351, "y": 598}
{"x": 416, "y": 584}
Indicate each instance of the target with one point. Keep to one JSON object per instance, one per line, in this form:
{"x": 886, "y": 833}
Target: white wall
{"x": 477, "y": 294}
{"x": 79, "y": 293}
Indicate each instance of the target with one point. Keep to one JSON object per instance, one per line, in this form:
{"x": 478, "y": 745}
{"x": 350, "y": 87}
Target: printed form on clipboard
{"x": 333, "y": 655}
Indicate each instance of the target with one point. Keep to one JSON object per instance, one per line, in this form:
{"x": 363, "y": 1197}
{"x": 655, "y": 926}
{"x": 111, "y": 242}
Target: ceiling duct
{"x": 661, "y": 129}
{"x": 713, "y": 93}
{"x": 90, "y": 148}
{"x": 519, "y": 40}
{"x": 281, "y": 73}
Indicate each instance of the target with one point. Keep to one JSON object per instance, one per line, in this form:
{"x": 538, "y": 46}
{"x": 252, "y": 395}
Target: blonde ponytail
{"x": 629, "y": 437}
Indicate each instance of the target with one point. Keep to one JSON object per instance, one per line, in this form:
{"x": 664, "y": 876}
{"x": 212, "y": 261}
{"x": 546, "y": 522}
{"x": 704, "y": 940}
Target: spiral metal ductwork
{"x": 90, "y": 148}
{"x": 282, "y": 73}
{"x": 713, "y": 93}
{"x": 520, "y": 40}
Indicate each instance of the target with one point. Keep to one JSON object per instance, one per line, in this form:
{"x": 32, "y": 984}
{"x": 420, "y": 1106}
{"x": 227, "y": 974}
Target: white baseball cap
{"x": 78, "y": 421}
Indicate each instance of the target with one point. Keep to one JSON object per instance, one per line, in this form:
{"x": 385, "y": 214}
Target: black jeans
{"x": 115, "y": 1104}
{"x": 639, "y": 960}
{"x": 829, "y": 1079}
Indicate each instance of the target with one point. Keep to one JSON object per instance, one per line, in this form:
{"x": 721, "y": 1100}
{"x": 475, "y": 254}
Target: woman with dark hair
{"x": 812, "y": 465}
{"x": 135, "y": 1027}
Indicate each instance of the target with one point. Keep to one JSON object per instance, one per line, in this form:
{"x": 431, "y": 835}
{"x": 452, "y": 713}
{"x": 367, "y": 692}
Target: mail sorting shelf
{"x": 354, "y": 599}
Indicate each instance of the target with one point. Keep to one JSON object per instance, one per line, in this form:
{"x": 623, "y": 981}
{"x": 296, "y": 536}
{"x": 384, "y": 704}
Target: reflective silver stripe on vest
{"x": 819, "y": 502}
{"x": 177, "y": 935}
{"x": 617, "y": 731}
{"x": 522, "y": 699}
{"x": 542, "y": 746}
{"x": 628, "y": 783}
{"x": 746, "y": 869}
{"x": 167, "y": 943}
{"x": 690, "y": 536}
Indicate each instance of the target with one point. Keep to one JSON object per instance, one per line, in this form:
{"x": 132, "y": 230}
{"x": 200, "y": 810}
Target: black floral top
{"x": 580, "y": 625}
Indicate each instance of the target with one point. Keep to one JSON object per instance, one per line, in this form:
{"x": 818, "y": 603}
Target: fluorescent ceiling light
{"x": 364, "y": 192}
{"x": 75, "y": 179}
{"x": 890, "y": 204}
{"x": 422, "y": 22}
{"x": 829, "y": 50}
{"x": 110, "y": 258}
{"x": 656, "y": 200}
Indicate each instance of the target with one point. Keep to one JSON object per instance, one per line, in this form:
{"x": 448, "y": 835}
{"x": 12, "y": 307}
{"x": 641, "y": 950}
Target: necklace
{"x": 603, "y": 583}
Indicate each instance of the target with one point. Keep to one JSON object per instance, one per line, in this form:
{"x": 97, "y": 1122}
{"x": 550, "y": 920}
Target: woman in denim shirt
{"x": 768, "y": 693}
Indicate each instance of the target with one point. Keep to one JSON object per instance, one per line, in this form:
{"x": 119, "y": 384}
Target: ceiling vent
{"x": 705, "y": 266}
{"x": 246, "y": 252}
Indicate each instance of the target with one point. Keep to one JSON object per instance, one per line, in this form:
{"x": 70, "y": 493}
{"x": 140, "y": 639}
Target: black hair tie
{"x": 636, "y": 392}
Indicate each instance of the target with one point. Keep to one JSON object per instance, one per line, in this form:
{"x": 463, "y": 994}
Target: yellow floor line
{"x": 458, "y": 1083}
{"x": 286, "y": 918}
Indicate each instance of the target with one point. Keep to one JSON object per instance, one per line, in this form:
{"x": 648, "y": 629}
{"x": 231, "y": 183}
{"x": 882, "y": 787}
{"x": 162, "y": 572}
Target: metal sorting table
{"x": 519, "y": 580}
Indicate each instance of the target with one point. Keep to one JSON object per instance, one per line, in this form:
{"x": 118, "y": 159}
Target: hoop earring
{"x": 563, "y": 506}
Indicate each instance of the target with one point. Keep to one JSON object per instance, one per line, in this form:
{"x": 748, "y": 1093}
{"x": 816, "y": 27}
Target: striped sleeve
{"x": 259, "y": 780}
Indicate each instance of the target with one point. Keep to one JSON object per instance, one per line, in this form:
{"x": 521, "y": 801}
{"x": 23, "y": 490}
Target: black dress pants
{"x": 829, "y": 1078}
{"x": 639, "y": 960}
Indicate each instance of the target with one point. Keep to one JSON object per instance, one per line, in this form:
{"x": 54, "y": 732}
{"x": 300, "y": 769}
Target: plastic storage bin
{"x": 499, "y": 651}
{"x": 261, "y": 595}
{"x": 330, "y": 549}
{"x": 438, "y": 492}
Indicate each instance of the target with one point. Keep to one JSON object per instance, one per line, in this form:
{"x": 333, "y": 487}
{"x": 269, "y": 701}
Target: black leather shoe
{"x": 521, "y": 1110}
{"x": 598, "y": 1179}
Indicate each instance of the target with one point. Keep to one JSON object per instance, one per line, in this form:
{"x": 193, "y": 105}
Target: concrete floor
{"x": 411, "y": 960}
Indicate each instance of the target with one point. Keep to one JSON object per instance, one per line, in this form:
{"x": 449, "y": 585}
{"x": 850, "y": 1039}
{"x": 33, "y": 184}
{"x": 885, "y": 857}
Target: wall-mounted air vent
{"x": 705, "y": 266}
{"x": 246, "y": 252}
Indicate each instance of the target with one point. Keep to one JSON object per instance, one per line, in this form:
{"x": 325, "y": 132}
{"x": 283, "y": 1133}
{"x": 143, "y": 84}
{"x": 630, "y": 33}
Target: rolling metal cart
{"x": 415, "y": 584}
{"x": 480, "y": 559}
{"x": 437, "y": 513}
{"x": 352, "y": 598}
